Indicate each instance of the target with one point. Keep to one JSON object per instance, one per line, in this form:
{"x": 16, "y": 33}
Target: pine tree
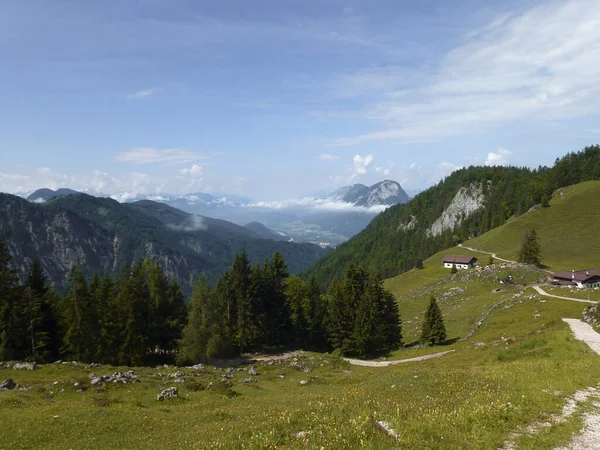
{"x": 296, "y": 295}
{"x": 244, "y": 333}
{"x": 433, "y": 330}
{"x": 42, "y": 315}
{"x": 369, "y": 330}
{"x": 277, "y": 315}
{"x": 392, "y": 323}
{"x": 338, "y": 321}
{"x": 203, "y": 336}
{"x": 108, "y": 345}
{"x": 315, "y": 310}
{"x": 136, "y": 336}
{"x": 530, "y": 252}
{"x": 78, "y": 343}
{"x": 159, "y": 308}
{"x": 177, "y": 316}
{"x": 13, "y": 326}
{"x": 454, "y": 269}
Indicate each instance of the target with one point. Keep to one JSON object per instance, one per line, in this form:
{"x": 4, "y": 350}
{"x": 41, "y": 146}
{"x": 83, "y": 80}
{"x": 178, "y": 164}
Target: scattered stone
{"x": 18, "y": 365}
{"x": 209, "y": 385}
{"x": 248, "y": 380}
{"x": 303, "y": 434}
{"x": 479, "y": 344}
{"x": 307, "y": 370}
{"x": 393, "y": 386}
{"x": 116, "y": 377}
{"x": 226, "y": 382}
{"x": 252, "y": 371}
{"x": 385, "y": 427}
{"x": 347, "y": 372}
{"x": 179, "y": 380}
{"x": 303, "y": 382}
{"x": 92, "y": 365}
{"x": 282, "y": 376}
{"x": 168, "y": 393}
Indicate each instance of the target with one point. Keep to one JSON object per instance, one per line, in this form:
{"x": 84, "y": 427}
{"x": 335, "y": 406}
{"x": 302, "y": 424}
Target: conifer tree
{"x": 109, "y": 320}
{"x": 316, "y": 316}
{"x": 13, "y": 327}
{"x": 369, "y": 330}
{"x": 203, "y": 336}
{"x": 392, "y": 322}
{"x": 454, "y": 269}
{"x": 530, "y": 252}
{"x": 338, "y": 321}
{"x": 300, "y": 310}
{"x": 177, "y": 316}
{"x": 256, "y": 293}
{"x": 433, "y": 330}
{"x": 244, "y": 332}
{"x": 78, "y": 343}
{"x": 42, "y": 315}
{"x": 136, "y": 298}
{"x": 277, "y": 315}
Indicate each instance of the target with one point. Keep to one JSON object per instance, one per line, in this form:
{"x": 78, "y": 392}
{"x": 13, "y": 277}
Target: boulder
{"x": 252, "y": 371}
{"x": 168, "y": 393}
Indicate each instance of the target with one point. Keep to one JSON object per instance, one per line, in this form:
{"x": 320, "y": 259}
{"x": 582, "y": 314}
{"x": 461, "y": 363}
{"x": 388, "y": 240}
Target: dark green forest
{"x": 389, "y": 248}
{"x": 141, "y": 316}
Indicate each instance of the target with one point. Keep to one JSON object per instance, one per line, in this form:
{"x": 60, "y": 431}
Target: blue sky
{"x": 280, "y": 99}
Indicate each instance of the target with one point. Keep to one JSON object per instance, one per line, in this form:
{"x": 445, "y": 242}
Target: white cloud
{"x": 313, "y": 203}
{"x": 142, "y": 94}
{"x": 194, "y": 223}
{"x": 327, "y": 157}
{"x": 539, "y": 65}
{"x": 149, "y": 155}
{"x": 361, "y": 164}
{"x": 195, "y": 171}
{"x": 497, "y": 158}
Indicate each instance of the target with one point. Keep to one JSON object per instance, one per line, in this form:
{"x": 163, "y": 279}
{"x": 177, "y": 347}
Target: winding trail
{"x": 360, "y": 362}
{"x": 494, "y": 255}
{"x": 584, "y": 332}
{"x": 542, "y": 292}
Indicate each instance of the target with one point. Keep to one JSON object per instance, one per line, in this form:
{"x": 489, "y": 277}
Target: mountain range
{"x": 327, "y": 219}
{"x": 101, "y": 234}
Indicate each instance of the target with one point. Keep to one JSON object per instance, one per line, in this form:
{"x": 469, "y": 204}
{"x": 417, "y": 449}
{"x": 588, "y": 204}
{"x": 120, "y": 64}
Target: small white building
{"x": 580, "y": 278}
{"x": 461, "y": 262}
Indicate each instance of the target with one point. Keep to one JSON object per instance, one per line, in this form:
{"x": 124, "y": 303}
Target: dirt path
{"x": 589, "y": 439}
{"x": 584, "y": 332}
{"x": 494, "y": 255}
{"x": 542, "y": 292}
{"x": 359, "y": 362}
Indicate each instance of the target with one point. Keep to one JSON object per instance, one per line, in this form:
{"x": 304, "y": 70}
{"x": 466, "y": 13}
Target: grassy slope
{"x": 477, "y": 395}
{"x": 568, "y": 230}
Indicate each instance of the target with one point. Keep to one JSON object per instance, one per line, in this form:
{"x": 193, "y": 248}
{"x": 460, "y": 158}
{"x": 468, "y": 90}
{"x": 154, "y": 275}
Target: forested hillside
{"x": 402, "y": 235}
{"x": 99, "y": 234}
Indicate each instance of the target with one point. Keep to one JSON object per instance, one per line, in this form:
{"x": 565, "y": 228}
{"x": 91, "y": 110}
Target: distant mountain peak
{"x": 386, "y": 192}
{"x": 45, "y": 194}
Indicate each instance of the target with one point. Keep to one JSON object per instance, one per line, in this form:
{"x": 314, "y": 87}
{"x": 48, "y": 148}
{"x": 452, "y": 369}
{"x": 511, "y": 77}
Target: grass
{"x": 477, "y": 395}
{"x": 567, "y": 230}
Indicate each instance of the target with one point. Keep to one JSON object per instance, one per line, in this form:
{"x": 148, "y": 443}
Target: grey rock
{"x": 168, "y": 393}
{"x": 252, "y": 371}
{"x": 303, "y": 382}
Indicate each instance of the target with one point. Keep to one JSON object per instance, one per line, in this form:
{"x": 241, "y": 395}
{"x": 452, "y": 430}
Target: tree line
{"x": 263, "y": 308}
{"x": 141, "y": 316}
{"x": 134, "y": 319}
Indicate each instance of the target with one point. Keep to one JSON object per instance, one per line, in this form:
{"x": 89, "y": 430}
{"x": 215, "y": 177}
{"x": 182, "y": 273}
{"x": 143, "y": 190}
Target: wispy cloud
{"x": 150, "y": 155}
{"x": 142, "y": 94}
{"x": 327, "y": 157}
{"x": 539, "y": 65}
{"x": 361, "y": 164}
{"x": 497, "y": 158}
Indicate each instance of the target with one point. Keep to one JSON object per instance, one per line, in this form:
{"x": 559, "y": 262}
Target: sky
{"x": 281, "y": 99}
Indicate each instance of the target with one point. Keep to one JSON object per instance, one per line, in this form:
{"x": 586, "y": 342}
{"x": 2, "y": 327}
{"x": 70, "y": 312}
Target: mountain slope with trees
{"x": 99, "y": 234}
{"x": 398, "y": 238}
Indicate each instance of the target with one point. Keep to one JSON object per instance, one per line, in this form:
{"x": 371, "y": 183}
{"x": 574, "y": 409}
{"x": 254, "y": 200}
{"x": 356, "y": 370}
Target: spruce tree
{"x": 108, "y": 315}
{"x": 177, "y": 316}
{"x": 13, "y": 326}
{"x": 433, "y": 330}
{"x": 392, "y": 322}
{"x": 244, "y": 332}
{"x": 203, "y": 336}
{"x": 530, "y": 252}
{"x": 136, "y": 335}
{"x": 317, "y": 311}
{"x": 369, "y": 324}
{"x": 454, "y": 269}
{"x": 78, "y": 342}
{"x": 277, "y": 314}
{"x": 296, "y": 295}
{"x": 42, "y": 315}
{"x": 338, "y": 321}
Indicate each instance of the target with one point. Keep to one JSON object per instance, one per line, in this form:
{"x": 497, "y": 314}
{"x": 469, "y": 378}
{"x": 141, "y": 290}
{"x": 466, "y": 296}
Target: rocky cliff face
{"x": 466, "y": 202}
